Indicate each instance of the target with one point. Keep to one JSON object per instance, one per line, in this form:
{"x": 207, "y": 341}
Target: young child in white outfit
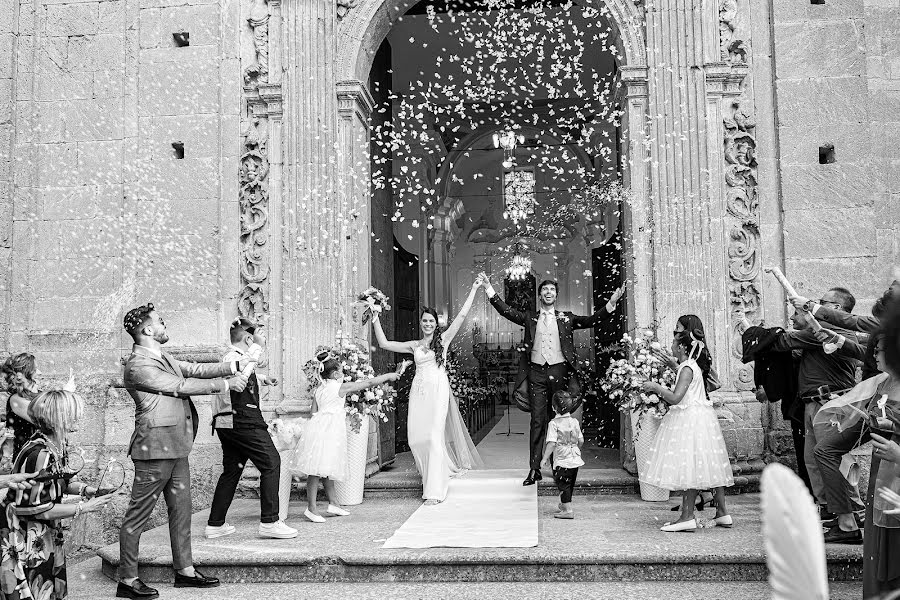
{"x": 564, "y": 441}
{"x": 322, "y": 451}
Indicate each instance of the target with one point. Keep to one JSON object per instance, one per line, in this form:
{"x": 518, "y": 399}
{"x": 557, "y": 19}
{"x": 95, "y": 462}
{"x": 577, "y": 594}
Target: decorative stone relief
{"x": 742, "y": 206}
{"x": 254, "y": 201}
{"x": 731, "y": 48}
{"x": 258, "y": 71}
{"x": 344, "y": 6}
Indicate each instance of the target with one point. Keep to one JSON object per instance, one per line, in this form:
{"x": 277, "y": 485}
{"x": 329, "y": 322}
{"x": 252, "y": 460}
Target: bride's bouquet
{"x": 369, "y": 302}
{"x": 625, "y": 376}
{"x": 377, "y": 401}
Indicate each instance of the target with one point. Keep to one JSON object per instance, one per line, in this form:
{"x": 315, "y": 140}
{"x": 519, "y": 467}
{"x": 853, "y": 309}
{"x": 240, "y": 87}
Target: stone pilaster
{"x": 637, "y": 221}
{"x": 685, "y": 246}
{"x": 312, "y": 302}
{"x": 355, "y": 106}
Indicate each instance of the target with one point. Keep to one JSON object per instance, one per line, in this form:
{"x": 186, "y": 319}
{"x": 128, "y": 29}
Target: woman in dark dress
{"x": 881, "y": 539}
{"x": 33, "y": 563}
{"x": 19, "y": 372}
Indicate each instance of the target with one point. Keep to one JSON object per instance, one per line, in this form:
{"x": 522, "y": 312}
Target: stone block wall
{"x": 838, "y": 84}
{"x": 126, "y": 149}
{"x": 8, "y": 13}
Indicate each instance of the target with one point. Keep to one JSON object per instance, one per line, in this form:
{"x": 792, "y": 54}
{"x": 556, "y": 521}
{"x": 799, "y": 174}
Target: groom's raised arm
{"x": 588, "y": 321}
{"x": 514, "y": 315}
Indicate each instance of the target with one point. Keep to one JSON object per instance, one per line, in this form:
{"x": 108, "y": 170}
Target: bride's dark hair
{"x": 437, "y": 342}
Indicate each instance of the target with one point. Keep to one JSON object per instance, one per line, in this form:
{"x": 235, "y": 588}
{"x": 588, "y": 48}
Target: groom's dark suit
{"x": 544, "y": 380}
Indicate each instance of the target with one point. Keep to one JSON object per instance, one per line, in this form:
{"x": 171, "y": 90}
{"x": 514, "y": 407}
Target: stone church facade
{"x": 212, "y": 157}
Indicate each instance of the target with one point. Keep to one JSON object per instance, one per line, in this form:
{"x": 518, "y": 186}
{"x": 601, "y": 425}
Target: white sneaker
{"x": 277, "y": 530}
{"x": 212, "y": 533}
{"x": 313, "y": 517}
{"x": 336, "y": 511}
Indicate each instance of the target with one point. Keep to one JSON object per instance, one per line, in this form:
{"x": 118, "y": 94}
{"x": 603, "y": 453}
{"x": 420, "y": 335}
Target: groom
{"x": 551, "y": 349}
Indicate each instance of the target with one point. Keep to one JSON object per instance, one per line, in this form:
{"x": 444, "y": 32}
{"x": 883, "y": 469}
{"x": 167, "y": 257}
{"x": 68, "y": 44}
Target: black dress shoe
{"x": 836, "y": 535}
{"x": 138, "y": 589}
{"x": 199, "y": 580}
{"x": 533, "y": 475}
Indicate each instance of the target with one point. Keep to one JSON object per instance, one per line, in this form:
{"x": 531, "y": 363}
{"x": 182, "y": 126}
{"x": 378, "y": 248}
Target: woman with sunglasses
{"x": 33, "y": 559}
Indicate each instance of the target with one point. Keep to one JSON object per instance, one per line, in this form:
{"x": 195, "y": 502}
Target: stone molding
{"x": 354, "y": 98}
{"x": 363, "y": 29}
{"x": 263, "y": 100}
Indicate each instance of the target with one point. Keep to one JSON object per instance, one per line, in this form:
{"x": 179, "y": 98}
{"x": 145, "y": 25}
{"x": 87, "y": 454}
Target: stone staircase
{"x": 614, "y": 539}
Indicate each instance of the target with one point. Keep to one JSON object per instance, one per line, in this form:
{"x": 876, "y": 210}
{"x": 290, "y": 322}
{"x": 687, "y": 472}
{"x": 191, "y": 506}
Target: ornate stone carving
{"x": 731, "y": 49}
{"x": 344, "y": 6}
{"x": 258, "y": 71}
{"x": 742, "y": 206}
{"x": 254, "y": 200}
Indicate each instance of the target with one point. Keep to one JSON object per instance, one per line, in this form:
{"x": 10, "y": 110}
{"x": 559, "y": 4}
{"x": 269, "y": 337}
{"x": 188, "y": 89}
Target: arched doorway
{"x": 360, "y": 54}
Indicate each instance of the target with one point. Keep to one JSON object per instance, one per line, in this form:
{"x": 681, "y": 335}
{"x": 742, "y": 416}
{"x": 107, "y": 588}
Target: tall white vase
{"x": 350, "y": 492}
{"x": 644, "y": 437}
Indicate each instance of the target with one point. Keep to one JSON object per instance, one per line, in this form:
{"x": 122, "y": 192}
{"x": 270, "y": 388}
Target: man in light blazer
{"x": 164, "y": 431}
{"x": 550, "y": 359}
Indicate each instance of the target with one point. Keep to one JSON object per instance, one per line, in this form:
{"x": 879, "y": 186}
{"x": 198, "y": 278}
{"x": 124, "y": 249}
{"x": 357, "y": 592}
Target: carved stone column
{"x": 260, "y": 178}
{"x": 731, "y": 147}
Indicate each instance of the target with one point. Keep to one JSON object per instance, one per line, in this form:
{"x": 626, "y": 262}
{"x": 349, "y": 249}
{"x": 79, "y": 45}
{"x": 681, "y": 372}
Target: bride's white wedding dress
{"x": 437, "y": 435}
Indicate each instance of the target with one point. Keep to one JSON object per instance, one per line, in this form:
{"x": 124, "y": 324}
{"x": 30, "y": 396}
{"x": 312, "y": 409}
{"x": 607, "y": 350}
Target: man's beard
{"x": 161, "y": 338}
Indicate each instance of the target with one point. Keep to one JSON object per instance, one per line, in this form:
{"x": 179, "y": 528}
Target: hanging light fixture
{"x": 520, "y": 266}
{"x": 508, "y": 140}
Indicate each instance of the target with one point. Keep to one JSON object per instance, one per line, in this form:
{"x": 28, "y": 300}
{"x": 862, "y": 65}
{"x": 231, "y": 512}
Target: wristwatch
{"x": 808, "y": 306}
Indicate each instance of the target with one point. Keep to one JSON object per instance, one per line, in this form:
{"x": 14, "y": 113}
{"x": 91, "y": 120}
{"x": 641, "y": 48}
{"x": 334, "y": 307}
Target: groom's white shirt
{"x": 546, "y": 348}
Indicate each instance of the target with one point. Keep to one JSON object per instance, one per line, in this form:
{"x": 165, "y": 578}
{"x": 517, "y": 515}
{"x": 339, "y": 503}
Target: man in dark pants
{"x": 821, "y": 374}
{"x": 165, "y": 425}
{"x": 551, "y": 348}
{"x": 238, "y": 421}
{"x": 843, "y": 498}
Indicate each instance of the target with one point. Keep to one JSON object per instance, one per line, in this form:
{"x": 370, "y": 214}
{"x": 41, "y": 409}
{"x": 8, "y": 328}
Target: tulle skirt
{"x": 322, "y": 450}
{"x": 689, "y": 452}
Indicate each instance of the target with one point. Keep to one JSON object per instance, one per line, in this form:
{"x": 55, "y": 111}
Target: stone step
{"x": 86, "y": 582}
{"x": 613, "y": 538}
{"x": 400, "y": 484}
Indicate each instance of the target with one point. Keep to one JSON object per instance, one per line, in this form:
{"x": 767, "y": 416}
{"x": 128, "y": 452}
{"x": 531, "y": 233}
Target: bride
{"x": 437, "y": 434}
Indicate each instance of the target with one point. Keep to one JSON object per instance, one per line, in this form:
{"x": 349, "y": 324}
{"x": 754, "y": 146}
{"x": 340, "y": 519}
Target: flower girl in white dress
{"x": 689, "y": 453}
{"x": 322, "y": 451}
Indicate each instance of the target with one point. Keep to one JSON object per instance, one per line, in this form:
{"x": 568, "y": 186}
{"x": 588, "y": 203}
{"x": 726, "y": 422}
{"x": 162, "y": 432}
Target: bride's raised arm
{"x": 454, "y": 327}
{"x": 383, "y": 342}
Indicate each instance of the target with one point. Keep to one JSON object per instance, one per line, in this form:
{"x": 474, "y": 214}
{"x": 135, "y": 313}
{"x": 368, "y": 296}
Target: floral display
{"x": 369, "y": 302}
{"x": 625, "y": 376}
{"x": 468, "y": 392}
{"x": 377, "y": 401}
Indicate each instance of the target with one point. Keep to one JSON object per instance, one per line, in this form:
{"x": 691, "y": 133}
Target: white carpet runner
{"x": 483, "y": 509}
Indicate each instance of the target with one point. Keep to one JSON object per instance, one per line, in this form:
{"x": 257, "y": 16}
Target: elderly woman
{"x": 19, "y": 371}
{"x": 33, "y": 562}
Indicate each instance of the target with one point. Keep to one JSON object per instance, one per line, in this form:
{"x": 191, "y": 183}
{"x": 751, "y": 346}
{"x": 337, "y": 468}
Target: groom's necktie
{"x": 547, "y": 322}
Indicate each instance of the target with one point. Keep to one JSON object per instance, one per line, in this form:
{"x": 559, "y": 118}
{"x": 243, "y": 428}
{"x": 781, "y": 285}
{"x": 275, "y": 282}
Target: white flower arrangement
{"x": 377, "y": 401}
{"x": 625, "y": 376}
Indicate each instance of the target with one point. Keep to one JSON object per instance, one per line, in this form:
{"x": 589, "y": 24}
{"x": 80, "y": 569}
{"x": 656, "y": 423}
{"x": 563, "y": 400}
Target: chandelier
{"x": 520, "y": 267}
{"x": 508, "y": 140}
